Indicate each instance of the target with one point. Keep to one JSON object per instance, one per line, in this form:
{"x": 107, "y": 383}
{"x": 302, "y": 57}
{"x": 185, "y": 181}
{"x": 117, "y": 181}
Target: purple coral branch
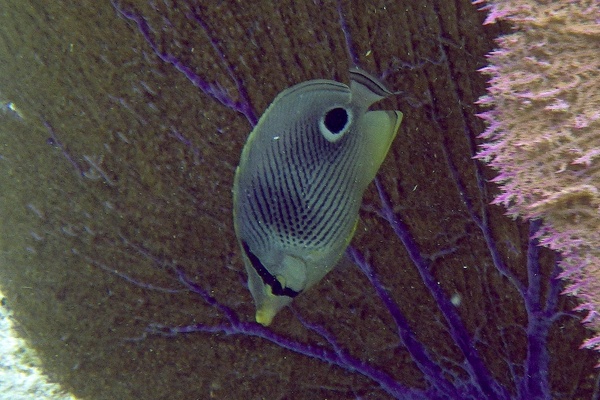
{"x": 534, "y": 384}
{"x": 234, "y": 326}
{"x": 482, "y": 221}
{"x": 123, "y": 276}
{"x": 244, "y": 104}
{"x": 348, "y": 38}
{"x": 349, "y": 360}
{"x": 474, "y": 365}
{"x": 56, "y": 142}
{"x": 187, "y": 142}
{"x": 211, "y": 90}
{"x": 431, "y": 371}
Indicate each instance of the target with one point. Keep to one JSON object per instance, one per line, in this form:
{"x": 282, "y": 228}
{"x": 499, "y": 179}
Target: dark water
{"x": 118, "y": 253}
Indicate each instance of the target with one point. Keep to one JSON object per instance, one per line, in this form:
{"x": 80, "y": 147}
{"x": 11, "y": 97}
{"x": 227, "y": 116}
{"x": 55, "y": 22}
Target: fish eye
{"x": 334, "y": 123}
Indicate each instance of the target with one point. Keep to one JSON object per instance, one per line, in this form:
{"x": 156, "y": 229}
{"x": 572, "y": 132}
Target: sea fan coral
{"x": 123, "y": 122}
{"x": 543, "y": 133}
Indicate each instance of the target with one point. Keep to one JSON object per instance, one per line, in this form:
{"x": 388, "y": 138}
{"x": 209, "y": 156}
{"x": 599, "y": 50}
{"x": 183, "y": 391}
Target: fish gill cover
{"x": 121, "y": 126}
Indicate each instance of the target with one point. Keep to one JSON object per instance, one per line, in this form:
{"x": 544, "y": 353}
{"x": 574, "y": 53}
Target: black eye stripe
{"x": 266, "y": 276}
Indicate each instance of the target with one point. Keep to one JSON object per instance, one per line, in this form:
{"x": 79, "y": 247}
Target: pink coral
{"x": 543, "y": 131}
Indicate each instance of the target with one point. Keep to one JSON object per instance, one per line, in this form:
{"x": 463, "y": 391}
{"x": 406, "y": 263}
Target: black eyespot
{"x": 336, "y": 120}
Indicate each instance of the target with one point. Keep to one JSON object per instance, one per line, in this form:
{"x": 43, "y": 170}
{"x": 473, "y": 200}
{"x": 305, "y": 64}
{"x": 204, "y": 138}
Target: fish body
{"x": 300, "y": 182}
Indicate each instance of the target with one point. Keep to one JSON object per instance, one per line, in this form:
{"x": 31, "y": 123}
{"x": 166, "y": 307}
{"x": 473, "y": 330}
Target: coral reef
{"x": 121, "y": 126}
{"x": 543, "y": 133}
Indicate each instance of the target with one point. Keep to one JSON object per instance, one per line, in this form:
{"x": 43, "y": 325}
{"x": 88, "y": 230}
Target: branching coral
{"x": 118, "y": 254}
{"x": 543, "y": 132}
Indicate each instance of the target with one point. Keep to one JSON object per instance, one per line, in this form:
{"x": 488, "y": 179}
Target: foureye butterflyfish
{"x": 300, "y": 182}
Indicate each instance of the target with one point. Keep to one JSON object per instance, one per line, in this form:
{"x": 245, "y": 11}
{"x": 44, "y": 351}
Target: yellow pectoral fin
{"x": 380, "y": 128}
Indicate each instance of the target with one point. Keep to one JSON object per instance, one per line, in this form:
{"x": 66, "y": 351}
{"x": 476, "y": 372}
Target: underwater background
{"x": 121, "y": 125}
